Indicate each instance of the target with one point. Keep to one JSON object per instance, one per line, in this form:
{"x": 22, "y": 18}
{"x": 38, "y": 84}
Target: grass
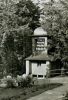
{"x": 66, "y": 96}
{"x": 24, "y": 93}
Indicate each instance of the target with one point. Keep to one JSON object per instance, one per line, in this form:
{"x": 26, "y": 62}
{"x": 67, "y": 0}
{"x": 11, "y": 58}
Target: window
{"x": 40, "y": 76}
{"x": 34, "y": 75}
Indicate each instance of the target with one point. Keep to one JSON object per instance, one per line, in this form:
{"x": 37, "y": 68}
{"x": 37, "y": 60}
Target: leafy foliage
{"x": 25, "y": 82}
{"x": 17, "y": 22}
{"x": 27, "y": 13}
{"x": 55, "y": 22}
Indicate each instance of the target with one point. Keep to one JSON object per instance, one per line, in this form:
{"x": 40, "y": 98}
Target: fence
{"x": 56, "y": 72}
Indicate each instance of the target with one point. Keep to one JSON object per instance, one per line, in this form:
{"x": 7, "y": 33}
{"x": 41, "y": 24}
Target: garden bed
{"x": 20, "y": 93}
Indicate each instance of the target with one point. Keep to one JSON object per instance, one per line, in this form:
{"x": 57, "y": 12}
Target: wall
{"x": 39, "y": 70}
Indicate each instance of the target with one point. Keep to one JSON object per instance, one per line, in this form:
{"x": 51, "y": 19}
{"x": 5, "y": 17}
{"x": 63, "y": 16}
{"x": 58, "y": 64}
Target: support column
{"x": 46, "y": 45}
{"x": 27, "y": 67}
{"x": 47, "y": 69}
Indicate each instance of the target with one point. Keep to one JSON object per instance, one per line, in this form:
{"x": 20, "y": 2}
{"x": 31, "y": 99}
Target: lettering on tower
{"x": 40, "y": 46}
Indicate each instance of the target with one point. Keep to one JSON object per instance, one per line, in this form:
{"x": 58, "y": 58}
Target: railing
{"x": 58, "y": 72}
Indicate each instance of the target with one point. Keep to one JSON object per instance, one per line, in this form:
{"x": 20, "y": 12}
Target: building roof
{"x": 39, "y": 31}
{"x": 41, "y": 57}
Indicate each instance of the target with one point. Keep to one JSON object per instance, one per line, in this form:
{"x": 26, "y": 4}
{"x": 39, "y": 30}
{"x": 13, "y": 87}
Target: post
{"x": 27, "y": 67}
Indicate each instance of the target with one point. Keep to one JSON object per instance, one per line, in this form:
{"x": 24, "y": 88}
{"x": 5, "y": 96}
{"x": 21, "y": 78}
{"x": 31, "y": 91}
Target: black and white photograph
{"x": 33, "y": 49}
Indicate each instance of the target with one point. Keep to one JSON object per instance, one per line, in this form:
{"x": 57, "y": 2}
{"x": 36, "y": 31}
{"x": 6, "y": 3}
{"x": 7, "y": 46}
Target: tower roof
{"x": 40, "y": 31}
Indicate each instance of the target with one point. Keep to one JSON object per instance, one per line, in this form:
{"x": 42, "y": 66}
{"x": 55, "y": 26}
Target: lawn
{"x": 20, "y": 93}
{"x": 65, "y": 97}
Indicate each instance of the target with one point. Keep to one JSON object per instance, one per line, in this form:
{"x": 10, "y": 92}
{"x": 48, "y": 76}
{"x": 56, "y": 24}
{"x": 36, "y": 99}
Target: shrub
{"x": 11, "y": 82}
{"x": 28, "y": 80}
{"x": 37, "y": 88}
{"x": 24, "y": 82}
{"x": 24, "y": 93}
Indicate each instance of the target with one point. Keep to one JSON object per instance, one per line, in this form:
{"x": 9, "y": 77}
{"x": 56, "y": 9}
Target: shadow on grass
{"x": 65, "y": 96}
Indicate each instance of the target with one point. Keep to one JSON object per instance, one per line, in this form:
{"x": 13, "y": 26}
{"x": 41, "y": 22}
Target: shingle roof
{"x": 41, "y": 57}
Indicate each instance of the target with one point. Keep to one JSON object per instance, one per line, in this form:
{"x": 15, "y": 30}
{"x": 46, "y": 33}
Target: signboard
{"x": 40, "y": 44}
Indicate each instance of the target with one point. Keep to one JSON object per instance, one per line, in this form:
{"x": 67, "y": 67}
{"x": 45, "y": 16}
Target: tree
{"x": 17, "y": 25}
{"x": 55, "y": 23}
{"x": 27, "y": 13}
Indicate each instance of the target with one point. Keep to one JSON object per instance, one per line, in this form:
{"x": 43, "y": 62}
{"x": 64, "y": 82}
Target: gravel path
{"x": 56, "y": 93}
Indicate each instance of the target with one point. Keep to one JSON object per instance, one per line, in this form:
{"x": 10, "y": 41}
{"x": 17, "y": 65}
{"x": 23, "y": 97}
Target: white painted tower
{"x": 38, "y": 63}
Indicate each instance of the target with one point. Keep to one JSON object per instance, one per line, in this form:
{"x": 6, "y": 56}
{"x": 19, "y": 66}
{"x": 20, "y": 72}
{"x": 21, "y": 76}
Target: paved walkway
{"x": 56, "y": 93}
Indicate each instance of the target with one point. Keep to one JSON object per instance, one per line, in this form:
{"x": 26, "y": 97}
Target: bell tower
{"x": 38, "y": 63}
{"x": 39, "y": 42}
